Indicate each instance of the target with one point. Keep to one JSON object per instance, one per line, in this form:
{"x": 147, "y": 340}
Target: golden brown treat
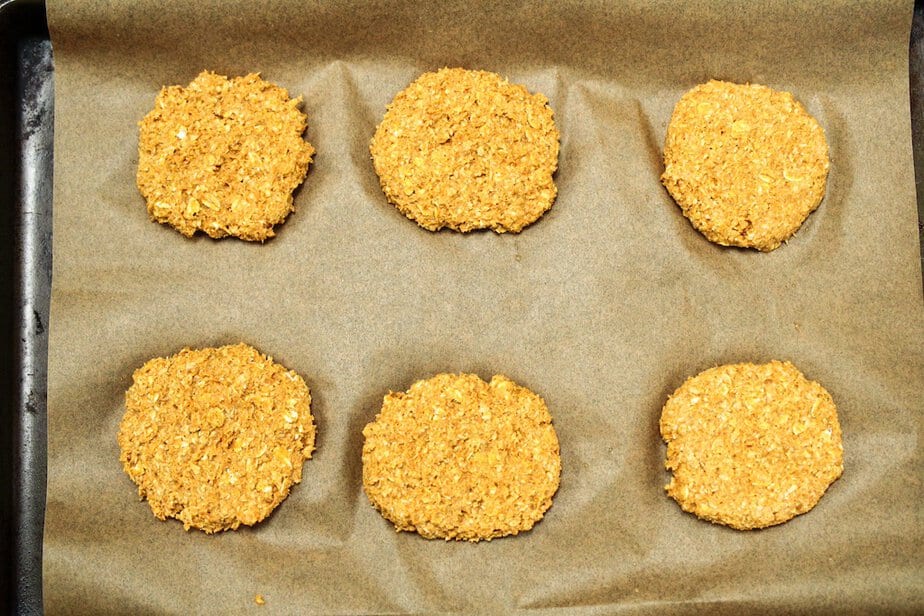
{"x": 751, "y": 445}
{"x": 466, "y": 150}
{"x": 216, "y": 437}
{"x": 222, "y": 156}
{"x": 745, "y": 163}
{"x": 459, "y": 458}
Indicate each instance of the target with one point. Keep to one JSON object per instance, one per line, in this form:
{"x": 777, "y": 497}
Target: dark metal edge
{"x": 26, "y": 142}
{"x": 916, "y": 88}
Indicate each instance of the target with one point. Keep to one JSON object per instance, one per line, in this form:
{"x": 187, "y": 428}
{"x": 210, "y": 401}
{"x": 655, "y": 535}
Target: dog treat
{"x": 751, "y": 445}
{"x": 222, "y": 156}
{"x": 467, "y": 150}
{"x": 216, "y": 437}
{"x": 745, "y": 163}
{"x": 458, "y": 458}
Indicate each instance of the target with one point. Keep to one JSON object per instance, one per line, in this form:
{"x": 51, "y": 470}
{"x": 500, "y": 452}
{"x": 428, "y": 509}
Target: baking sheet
{"x": 26, "y": 115}
{"x": 603, "y": 307}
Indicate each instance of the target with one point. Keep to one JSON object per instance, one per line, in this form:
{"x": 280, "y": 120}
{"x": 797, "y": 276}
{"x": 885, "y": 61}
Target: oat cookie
{"x": 746, "y": 164}
{"x": 222, "y": 156}
{"x": 751, "y": 445}
{"x": 458, "y": 458}
{"x": 216, "y": 437}
{"x": 467, "y": 150}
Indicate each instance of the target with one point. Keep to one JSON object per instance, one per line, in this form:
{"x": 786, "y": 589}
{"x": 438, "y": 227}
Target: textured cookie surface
{"x": 745, "y": 163}
{"x": 458, "y": 458}
{"x": 751, "y": 445}
{"x": 216, "y": 437}
{"x": 222, "y": 156}
{"x": 467, "y": 150}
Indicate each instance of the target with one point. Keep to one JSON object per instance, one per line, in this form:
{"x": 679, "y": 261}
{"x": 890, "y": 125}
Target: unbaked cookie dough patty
{"x": 457, "y": 458}
{"x": 222, "y": 156}
{"x": 467, "y": 150}
{"x": 751, "y": 445}
{"x": 216, "y": 437}
{"x": 746, "y": 164}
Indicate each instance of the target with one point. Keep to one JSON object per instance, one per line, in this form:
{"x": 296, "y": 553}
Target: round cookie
{"x": 751, "y": 445}
{"x": 216, "y": 437}
{"x": 222, "y": 156}
{"x": 746, "y": 164}
{"x": 458, "y": 458}
{"x": 467, "y": 150}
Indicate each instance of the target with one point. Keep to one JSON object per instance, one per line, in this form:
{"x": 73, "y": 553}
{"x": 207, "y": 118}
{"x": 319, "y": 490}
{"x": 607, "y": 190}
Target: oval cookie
{"x": 751, "y": 445}
{"x": 746, "y": 164}
{"x": 222, "y": 156}
{"x": 467, "y": 150}
{"x": 457, "y": 458}
{"x": 216, "y": 437}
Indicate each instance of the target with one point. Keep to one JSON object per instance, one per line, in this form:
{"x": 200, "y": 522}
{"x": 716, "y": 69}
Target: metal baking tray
{"x": 26, "y": 139}
{"x": 26, "y": 154}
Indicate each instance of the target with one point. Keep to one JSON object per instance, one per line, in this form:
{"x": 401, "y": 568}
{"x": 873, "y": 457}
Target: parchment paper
{"x": 603, "y": 307}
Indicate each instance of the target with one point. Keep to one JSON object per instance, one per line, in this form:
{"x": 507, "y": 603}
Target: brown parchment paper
{"x": 603, "y": 307}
